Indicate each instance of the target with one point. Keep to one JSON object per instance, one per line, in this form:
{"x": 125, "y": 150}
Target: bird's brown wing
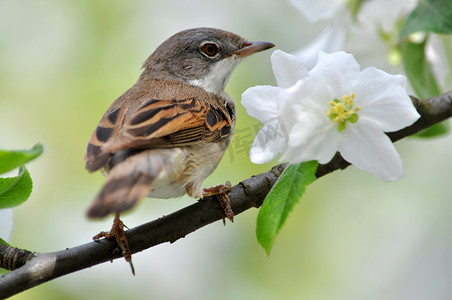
{"x": 158, "y": 124}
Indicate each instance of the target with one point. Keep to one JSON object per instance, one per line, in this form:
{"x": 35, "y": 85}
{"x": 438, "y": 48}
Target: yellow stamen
{"x": 342, "y": 111}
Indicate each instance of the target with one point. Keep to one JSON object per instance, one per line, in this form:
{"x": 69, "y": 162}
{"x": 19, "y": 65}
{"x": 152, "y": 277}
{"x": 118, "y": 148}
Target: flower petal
{"x": 312, "y": 136}
{"x": 6, "y": 224}
{"x": 331, "y": 39}
{"x": 384, "y": 100}
{"x": 339, "y": 70}
{"x": 368, "y": 148}
{"x": 261, "y": 102}
{"x": 317, "y": 145}
{"x": 311, "y": 93}
{"x": 436, "y": 55}
{"x": 269, "y": 142}
{"x": 288, "y": 69}
{"x": 319, "y": 9}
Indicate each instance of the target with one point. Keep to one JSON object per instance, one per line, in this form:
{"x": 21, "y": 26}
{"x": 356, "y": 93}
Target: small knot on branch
{"x": 12, "y": 258}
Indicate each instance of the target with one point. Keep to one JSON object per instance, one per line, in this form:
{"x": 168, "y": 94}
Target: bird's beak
{"x": 249, "y": 48}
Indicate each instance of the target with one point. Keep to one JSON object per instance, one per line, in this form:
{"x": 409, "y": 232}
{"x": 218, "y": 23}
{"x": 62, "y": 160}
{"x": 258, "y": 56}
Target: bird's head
{"x": 203, "y": 57}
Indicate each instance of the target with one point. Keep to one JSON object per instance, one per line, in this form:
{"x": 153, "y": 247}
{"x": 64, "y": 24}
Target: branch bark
{"x": 38, "y": 268}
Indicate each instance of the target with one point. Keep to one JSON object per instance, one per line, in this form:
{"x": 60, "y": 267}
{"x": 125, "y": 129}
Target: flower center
{"x": 341, "y": 111}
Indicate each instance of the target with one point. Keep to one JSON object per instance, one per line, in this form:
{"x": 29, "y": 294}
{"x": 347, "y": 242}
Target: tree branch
{"x": 38, "y": 268}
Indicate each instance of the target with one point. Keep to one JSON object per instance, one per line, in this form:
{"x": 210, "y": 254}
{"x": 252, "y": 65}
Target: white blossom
{"x": 319, "y": 9}
{"x": 363, "y": 34}
{"x": 333, "y": 36}
{"x": 333, "y": 107}
{"x": 331, "y": 39}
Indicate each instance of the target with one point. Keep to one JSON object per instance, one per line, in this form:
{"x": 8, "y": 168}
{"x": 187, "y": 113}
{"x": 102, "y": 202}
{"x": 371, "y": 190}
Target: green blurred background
{"x": 62, "y": 63}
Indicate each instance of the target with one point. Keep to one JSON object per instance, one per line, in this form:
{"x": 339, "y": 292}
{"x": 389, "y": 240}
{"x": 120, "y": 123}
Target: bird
{"x": 167, "y": 133}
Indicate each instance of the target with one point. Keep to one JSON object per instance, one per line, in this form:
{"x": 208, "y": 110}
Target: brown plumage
{"x": 169, "y": 131}
{"x": 155, "y": 120}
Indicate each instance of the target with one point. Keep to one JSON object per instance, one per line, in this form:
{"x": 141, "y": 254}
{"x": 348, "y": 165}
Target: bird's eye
{"x": 209, "y": 49}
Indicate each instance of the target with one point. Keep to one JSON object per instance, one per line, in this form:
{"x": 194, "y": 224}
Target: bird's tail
{"x": 120, "y": 194}
{"x": 132, "y": 176}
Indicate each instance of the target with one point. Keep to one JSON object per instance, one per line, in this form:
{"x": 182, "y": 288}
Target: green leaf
{"x": 429, "y": 15}
{"x": 418, "y": 69}
{"x": 423, "y": 81}
{"x": 3, "y": 242}
{"x": 281, "y": 199}
{"x": 9, "y": 160}
{"x": 15, "y": 190}
{"x": 435, "y": 130}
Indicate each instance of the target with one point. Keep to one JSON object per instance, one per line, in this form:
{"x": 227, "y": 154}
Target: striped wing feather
{"x": 157, "y": 124}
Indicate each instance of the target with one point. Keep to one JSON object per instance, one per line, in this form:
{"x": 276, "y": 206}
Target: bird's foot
{"x": 117, "y": 232}
{"x": 220, "y": 191}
